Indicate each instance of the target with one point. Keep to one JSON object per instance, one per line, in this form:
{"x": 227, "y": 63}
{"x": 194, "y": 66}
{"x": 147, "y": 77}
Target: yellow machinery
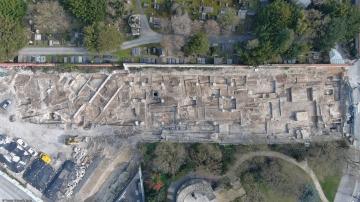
{"x": 46, "y": 158}
{"x": 71, "y": 140}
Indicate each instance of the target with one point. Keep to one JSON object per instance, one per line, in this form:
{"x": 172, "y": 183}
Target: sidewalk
{"x": 13, "y": 188}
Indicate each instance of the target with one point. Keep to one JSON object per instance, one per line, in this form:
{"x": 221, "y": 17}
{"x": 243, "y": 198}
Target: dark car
{"x": 5, "y": 104}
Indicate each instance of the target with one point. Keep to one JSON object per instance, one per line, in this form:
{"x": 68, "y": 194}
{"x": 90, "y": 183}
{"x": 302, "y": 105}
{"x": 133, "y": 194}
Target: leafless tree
{"x": 197, "y": 26}
{"x": 207, "y": 157}
{"x": 50, "y": 17}
{"x": 169, "y": 157}
{"x": 165, "y": 25}
{"x": 173, "y": 44}
{"x": 212, "y": 28}
{"x": 181, "y": 24}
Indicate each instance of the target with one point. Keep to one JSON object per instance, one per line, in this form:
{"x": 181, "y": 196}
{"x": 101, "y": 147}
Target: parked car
{"x": 5, "y": 104}
{"x": 32, "y": 152}
{"x": 21, "y": 143}
{"x": 4, "y": 140}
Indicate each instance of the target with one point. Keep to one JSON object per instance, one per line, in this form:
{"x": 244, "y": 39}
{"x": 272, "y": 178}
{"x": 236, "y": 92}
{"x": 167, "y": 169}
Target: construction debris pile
{"x": 233, "y": 105}
{"x": 82, "y": 161}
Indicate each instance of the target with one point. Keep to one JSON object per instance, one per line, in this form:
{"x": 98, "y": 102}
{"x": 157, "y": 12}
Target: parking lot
{"x": 15, "y": 154}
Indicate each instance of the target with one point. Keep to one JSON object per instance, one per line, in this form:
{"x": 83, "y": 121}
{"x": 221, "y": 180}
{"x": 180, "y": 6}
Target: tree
{"x": 342, "y": 24}
{"x": 197, "y": 26}
{"x": 309, "y": 194}
{"x": 334, "y": 32}
{"x": 253, "y": 191}
{"x": 212, "y": 28}
{"x": 116, "y": 8}
{"x": 297, "y": 49}
{"x": 208, "y": 157}
{"x": 90, "y": 37}
{"x": 197, "y": 44}
{"x": 101, "y": 38}
{"x": 318, "y": 21}
{"x": 255, "y": 52}
{"x": 109, "y": 38}
{"x": 280, "y": 30}
{"x": 14, "y": 9}
{"x": 277, "y": 16}
{"x": 284, "y": 40}
{"x": 172, "y": 44}
{"x": 155, "y": 182}
{"x": 45, "y": 19}
{"x": 181, "y": 24}
{"x": 87, "y": 11}
{"x": 169, "y": 157}
{"x": 227, "y": 19}
{"x": 12, "y": 37}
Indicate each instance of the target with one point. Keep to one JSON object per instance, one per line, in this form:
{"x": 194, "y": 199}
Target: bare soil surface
{"x": 102, "y": 172}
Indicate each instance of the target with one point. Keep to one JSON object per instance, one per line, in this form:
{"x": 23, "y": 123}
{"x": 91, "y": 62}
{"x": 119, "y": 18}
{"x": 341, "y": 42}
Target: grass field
{"x": 278, "y": 181}
{"x": 271, "y": 195}
{"x": 123, "y": 54}
{"x": 330, "y": 185}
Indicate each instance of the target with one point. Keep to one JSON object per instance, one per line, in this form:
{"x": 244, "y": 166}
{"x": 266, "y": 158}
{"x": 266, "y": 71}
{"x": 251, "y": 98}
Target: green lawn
{"x": 272, "y": 195}
{"x": 330, "y": 185}
{"x": 123, "y": 54}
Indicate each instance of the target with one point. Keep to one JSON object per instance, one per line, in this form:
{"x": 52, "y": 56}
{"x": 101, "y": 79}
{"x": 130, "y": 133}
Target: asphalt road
{"x": 354, "y": 80}
{"x": 147, "y": 35}
{"x": 349, "y": 188}
{"x": 8, "y": 191}
{"x": 53, "y": 51}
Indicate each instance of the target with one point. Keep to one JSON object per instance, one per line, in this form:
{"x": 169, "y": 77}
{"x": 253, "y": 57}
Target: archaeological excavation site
{"x": 224, "y": 105}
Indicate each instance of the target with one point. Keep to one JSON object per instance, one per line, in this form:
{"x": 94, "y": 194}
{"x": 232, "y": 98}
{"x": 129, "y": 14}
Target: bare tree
{"x": 212, "y": 28}
{"x": 181, "y": 24}
{"x": 169, "y": 157}
{"x": 50, "y": 17}
{"x": 207, "y": 157}
{"x": 165, "y": 25}
{"x": 173, "y": 44}
{"x": 197, "y": 26}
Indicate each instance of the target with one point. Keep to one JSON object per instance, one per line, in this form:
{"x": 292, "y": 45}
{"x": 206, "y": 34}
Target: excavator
{"x": 72, "y": 140}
